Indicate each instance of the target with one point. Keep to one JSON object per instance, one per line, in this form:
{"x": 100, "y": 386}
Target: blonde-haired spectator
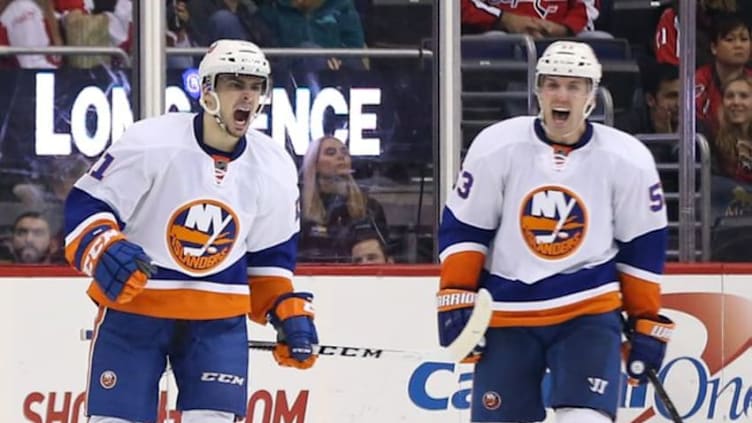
{"x": 731, "y": 150}
{"x": 733, "y": 144}
{"x": 331, "y": 202}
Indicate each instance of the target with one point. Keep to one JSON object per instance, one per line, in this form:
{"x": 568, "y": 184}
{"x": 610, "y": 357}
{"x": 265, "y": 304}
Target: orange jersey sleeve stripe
{"x": 600, "y": 304}
{"x": 641, "y": 298}
{"x": 72, "y": 246}
{"x": 264, "y": 291}
{"x": 461, "y": 270}
{"x": 185, "y": 304}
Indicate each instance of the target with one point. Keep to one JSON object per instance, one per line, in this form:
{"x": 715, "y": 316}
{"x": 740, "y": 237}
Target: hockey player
{"x": 173, "y": 223}
{"x": 564, "y": 222}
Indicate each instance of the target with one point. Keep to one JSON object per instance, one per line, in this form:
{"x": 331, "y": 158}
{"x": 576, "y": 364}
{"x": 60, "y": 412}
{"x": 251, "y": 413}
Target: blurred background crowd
{"x": 380, "y": 208}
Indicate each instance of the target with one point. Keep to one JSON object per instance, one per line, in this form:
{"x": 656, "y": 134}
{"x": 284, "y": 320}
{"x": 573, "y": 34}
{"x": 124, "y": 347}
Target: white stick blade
{"x": 475, "y": 328}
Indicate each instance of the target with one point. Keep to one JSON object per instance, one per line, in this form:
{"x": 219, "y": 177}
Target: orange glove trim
{"x": 294, "y": 306}
{"x": 133, "y": 286}
{"x": 281, "y": 354}
{"x": 72, "y": 248}
{"x": 659, "y": 330}
{"x": 97, "y": 247}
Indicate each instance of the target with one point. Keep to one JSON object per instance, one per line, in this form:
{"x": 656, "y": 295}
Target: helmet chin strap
{"x": 215, "y": 111}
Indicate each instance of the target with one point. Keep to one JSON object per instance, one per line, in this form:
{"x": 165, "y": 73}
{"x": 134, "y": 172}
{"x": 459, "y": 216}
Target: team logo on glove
{"x": 201, "y": 235}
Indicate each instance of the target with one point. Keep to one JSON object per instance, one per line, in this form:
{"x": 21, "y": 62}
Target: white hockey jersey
{"x": 207, "y": 219}
{"x": 559, "y": 231}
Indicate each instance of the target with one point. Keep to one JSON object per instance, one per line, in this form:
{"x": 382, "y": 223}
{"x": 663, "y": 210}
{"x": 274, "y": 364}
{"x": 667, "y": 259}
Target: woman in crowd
{"x": 731, "y": 149}
{"x": 731, "y": 49}
{"x": 331, "y": 202}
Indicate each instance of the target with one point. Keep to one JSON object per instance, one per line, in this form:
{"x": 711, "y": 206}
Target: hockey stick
{"x": 470, "y": 336}
{"x": 663, "y": 395}
{"x": 656, "y": 382}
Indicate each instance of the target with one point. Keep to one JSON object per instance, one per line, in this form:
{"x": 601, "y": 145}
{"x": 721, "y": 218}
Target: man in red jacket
{"x": 538, "y": 18}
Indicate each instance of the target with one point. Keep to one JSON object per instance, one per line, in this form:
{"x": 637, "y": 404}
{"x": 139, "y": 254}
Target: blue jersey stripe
{"x": 552, "y": 287}
{"x": 79, "y": 205}
{"x": 281, "y": 255}
{"x": 646, "y": 252}
{"x": 453, "y": 231}
{"x": 235, "y": 274}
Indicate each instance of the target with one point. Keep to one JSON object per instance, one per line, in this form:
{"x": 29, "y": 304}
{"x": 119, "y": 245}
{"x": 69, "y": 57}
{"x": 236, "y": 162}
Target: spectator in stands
{"x": 660, "y": 113}
{"x": 31, "y": 242}
{"x": 732, "y": 147}
{"x": 543, "y": 18}
{"x": 368, "y": 246}
{"x": 331, "y": 202}
{"x": 666, "y": 40}
{"x": 731, "y": 151}
{"x": 48, "y": 197}
{"x": 106, "y": 23}
{"x": 730, "y": 47}
{"x": 178, "y": 32}
{"x": 227, "y": 19}
{"x": 23, "y": 24}
{"x": 316, "y": 24}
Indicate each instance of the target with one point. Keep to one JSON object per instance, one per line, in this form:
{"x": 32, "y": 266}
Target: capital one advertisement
{"x": 707, "y": 372}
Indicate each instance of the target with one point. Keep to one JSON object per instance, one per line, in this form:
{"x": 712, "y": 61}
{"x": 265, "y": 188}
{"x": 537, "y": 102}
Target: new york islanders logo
{"x": 201, "y": 234}
{"x": 553, "y": 221}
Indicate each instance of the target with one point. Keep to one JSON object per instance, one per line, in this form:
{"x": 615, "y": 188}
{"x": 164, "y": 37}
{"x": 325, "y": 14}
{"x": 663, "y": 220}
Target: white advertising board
{"x": 708, "y": 369}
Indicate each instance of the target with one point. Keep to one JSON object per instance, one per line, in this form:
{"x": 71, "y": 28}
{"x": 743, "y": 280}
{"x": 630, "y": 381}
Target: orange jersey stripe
{"x": 72, "y": 247}
{"x": 265, "y": 290}
{"x": 461, "y": 270}
{"x": 641, "y": 298}
{"x": 600, "y": 304}
{"x": 188, "y": 304}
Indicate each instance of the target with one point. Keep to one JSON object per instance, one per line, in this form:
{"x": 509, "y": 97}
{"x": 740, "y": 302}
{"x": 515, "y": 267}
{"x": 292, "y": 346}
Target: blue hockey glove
{"x": 292, "y": 317}
{"x": 120, "y": 268}
{"x": 455, "y": 306}
{"x": 646, "y": 346}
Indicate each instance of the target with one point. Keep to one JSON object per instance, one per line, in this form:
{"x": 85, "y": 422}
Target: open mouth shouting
{"x": 241, "y": 116}
{"x": 560, "y": 115}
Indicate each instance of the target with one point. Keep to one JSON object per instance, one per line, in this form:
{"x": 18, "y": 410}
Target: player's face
{"x": 563, "y": 100}
{"x": 31, "y": 240}
{"x": 334, "y": 159}
{"x": 239, "y": 96}
{"x": 733, "y": 48}
{"x": 368, "y": 251}
{"x": 737, "y": 102}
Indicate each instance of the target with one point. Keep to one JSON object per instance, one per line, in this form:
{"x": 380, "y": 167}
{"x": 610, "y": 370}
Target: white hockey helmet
{"x": 570, "y": 58}
{"x": 234, "y": 57}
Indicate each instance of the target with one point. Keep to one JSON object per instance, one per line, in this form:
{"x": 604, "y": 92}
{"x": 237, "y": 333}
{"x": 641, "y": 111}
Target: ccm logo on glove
{"x": 97, "y": 247}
